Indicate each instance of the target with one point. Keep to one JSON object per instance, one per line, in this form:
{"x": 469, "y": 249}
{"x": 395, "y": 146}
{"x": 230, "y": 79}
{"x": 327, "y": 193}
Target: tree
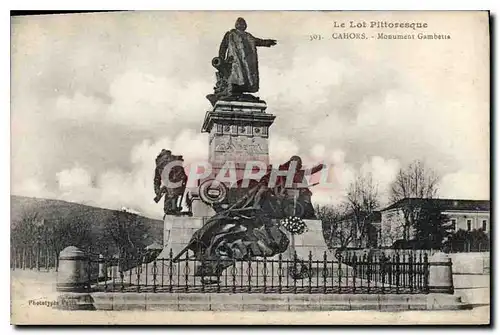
{"x": 25, "y": 235}
{"x": 361, "y": 203}
{"x": 25, "y": 232}
{"x": 432, "y": 227}
{"x": 350, "y": 221}
{"x": 414, "y": 182}
{"x": 334, "y": 231}
{"x": 469, "y": 241}
{"x": 123, "y": 234}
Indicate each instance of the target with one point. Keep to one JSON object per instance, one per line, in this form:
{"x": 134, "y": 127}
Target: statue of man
{"x": 238, "y": 50}
{"x": 174, "y": 175}
{"x": 163, "y": 158}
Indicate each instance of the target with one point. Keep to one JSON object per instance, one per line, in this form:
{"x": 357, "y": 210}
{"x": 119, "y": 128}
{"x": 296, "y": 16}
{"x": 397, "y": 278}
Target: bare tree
{"x": 414, "y": 182}
{"x": 23, "y": 235}
{"x": 335, "y": 231}
{"x": 361, "y": 203}
{"x": 349, "y": 222}
{"x": 24, "y": 232}
{"x": 124, "y": 233}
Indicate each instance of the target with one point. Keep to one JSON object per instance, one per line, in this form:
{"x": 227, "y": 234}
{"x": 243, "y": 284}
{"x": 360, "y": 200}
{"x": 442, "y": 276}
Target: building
{"x": 466, "y": 215}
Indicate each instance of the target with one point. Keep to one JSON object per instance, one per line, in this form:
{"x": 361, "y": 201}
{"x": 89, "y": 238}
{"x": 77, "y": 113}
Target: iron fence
{"x": 406, "y": 273}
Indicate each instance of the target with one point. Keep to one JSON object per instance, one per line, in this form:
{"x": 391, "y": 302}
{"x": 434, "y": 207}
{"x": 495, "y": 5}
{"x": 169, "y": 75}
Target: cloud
{"x": 75, "y": 178}
{"x": 32, "y": 187}
{"x": 133, "y": 187}
{"x": 281, "y": 149}
{"x": 383, "y": 172}
{"x": 464, "y": 185}
{"x": 139, "y": 100}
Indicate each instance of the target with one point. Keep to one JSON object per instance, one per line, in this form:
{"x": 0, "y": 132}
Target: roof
{"x": 443, "y": 204}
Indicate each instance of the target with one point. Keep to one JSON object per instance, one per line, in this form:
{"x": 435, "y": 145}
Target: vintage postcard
{"x": 250, "y": 167}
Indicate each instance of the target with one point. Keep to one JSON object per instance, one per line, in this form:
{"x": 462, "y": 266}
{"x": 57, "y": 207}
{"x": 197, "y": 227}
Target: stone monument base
{"x": 200, "y": 209}
{"x": 177, "y": 232}
{"x": 311, "y": 241}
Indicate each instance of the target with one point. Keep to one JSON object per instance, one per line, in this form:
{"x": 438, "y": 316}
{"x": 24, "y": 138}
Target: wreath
{"x": 294, "y": 225}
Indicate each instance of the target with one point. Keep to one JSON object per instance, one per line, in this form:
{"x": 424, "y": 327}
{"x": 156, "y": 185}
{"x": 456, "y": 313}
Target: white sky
{"x": 96, "y": 96}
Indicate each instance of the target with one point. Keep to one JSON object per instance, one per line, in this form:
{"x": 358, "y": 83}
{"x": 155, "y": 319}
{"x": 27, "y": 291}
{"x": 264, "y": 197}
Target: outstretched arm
{"x": 264, "y": 42}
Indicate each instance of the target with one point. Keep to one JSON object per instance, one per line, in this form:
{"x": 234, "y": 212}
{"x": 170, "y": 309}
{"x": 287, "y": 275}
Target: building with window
{"x": 467, "y": 215}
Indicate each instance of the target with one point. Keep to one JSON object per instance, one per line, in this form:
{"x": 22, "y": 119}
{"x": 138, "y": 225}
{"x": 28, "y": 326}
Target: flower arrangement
{"x": 294, "y": 225}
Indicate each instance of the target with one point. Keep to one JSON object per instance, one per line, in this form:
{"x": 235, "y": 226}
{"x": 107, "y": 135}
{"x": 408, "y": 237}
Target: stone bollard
{"x": 103, "y": 269}
{"x": 72, "y": 281}
{"x": 440, "y": 274}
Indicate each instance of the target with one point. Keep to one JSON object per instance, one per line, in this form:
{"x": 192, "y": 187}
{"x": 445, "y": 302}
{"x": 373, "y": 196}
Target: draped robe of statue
{"x": 239, "y": 49}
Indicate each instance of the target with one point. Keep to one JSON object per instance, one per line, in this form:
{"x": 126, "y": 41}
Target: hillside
{"x": 50, "y": 209}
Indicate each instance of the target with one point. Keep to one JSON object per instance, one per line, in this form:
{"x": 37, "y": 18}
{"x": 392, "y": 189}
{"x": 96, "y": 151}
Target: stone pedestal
{"x": 177, "y": 232}
{"x": 238, "y": 133}
{"x": 310, "y": 241}
{"x": 73, "y": 280}
{"x": 440, "y": 274}
{"x": 201, "y": 209}
{"x": 72, "y": 273}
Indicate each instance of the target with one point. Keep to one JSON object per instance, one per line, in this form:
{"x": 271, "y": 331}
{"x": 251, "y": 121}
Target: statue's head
{"x": 163, "y": 153}
{"x": 240, "y": 24}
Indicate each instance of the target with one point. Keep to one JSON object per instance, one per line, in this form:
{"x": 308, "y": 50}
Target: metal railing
{"x": 405, "y": 273}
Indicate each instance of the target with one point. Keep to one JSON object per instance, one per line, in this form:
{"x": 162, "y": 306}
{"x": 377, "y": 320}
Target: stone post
{"x": 440, "y": 274}
{"x": 72, "y": 280}
{"x": 103, "y": 269}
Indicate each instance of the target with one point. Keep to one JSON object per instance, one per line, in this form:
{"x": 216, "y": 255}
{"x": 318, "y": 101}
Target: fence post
{"x": 295, "y": 271}
{"x": 47, "y": 259}
{"x": 382, "y": 268}
{"x": 354, "y": 264}
{"x": 310, "y": 271}
{"x": 233, "y": 272}
{"x": 398, "y": 272}
{"x": 38, "y": 258}
{"x": 325, "y": 271}
{"x": 366, "y": 265}
{"x": 440, "y": 274}
{"x": 72, "y": 280}
{"x": 264, "y": 273}
{"x": 170, "y": 269}
{"x": 13, "y": 260}
{"x": 154, "y": 275}
{"x": 280, "y": 273}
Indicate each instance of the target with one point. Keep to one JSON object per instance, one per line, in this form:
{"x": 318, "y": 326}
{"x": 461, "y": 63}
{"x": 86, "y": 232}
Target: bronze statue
{"x": 172, "y": 205}
{"x": 237, "y": 64}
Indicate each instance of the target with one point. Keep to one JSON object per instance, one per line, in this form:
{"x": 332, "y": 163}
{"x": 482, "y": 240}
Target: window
{"x": 454, "y": 224}
{"x": 485, "y": 224}
{"x": 469, "y": 224}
